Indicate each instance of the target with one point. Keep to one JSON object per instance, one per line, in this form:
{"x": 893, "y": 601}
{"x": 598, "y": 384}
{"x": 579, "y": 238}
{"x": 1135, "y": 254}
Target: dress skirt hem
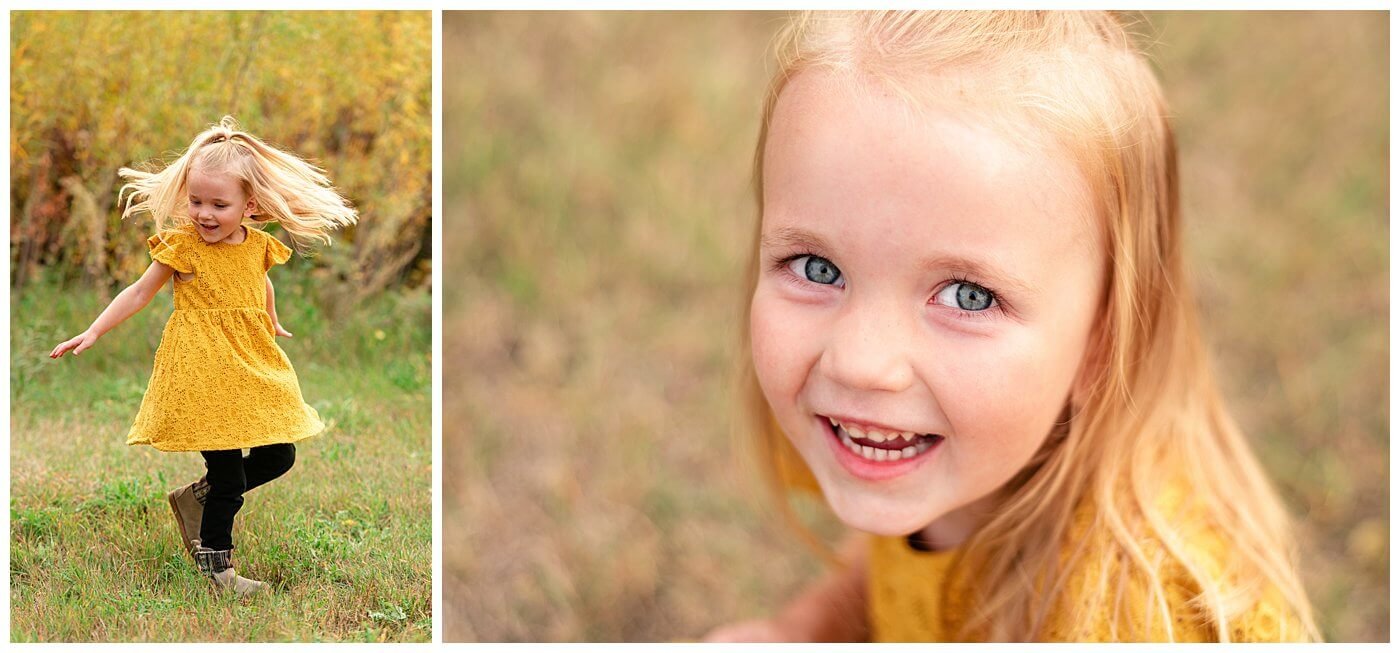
{"x": 134, "y": 439}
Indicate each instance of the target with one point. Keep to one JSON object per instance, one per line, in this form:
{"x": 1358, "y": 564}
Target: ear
{"x": 251, "y": 209}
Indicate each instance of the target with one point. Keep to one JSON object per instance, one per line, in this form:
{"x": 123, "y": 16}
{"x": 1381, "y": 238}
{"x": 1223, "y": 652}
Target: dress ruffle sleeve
{"x": 169, "y": 247}
{"x": 277, "y": 253}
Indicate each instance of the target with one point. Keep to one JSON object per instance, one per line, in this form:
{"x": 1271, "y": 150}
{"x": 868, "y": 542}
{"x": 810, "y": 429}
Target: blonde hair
{"x": 285, "y": 188}
{"x": 1152, "y": 416}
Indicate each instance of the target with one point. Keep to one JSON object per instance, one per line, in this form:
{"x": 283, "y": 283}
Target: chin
{"x": 212, "y": 238}
{"x": 878, "y": 515}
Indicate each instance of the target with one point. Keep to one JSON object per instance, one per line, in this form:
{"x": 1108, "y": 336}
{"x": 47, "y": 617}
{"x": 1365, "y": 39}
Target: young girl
{"x": 221, "y": 384}
{"x": 971, "y": 329}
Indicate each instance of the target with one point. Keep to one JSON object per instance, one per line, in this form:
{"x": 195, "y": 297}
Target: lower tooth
{"x": 910, "y": 451}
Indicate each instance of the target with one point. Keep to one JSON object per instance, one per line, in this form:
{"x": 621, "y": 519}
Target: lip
{"x": 871, "y": 470}
{"x": 865, "y": 425}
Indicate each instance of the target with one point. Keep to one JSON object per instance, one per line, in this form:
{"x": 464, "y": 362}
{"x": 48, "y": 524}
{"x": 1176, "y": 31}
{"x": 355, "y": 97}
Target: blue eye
{"x": 967, "y": 296}
{"x": 817, "y": 270}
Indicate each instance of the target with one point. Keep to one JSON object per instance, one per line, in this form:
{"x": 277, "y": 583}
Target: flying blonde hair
{"x": 285, "y": 188}
{"x": 1152, "y": 418}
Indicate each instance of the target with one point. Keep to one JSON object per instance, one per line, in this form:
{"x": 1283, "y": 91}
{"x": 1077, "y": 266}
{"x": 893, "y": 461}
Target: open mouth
{"x": 879, "y": 446}
{"x": 207, "y": 227}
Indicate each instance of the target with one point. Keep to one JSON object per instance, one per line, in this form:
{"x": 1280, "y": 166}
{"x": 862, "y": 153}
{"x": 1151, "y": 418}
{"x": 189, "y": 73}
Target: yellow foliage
{"x": 95, "y": 90}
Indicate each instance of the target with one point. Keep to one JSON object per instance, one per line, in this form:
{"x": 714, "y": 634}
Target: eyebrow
{"x": 977, "y": 271}
{"x": 792, "y": 238}
{"x": 211, "y": 199}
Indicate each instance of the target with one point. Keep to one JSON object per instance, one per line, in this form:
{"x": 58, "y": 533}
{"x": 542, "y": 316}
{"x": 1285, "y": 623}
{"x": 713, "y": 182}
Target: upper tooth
{"x": 875, "y": 436}
{"x": 855, "y": 431}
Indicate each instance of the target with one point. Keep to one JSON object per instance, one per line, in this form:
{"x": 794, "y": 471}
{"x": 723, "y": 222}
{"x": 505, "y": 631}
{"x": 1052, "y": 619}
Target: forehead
{"x": 213, "y": 182}
{"x": 864, "y": 162}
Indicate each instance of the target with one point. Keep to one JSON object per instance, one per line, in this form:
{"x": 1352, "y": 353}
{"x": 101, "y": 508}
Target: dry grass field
{"x": 598, "y": 213}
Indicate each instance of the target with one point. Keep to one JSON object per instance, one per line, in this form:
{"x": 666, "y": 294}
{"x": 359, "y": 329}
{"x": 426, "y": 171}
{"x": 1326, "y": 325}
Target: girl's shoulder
{"x": 257, "y": 236}
{"x": 176, "y": 248}
{"x": 274, "y": 251}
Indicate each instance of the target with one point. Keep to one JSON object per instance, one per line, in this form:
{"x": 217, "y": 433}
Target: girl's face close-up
{"x": 217, "y": 205}
{"x": 927, "y": 289}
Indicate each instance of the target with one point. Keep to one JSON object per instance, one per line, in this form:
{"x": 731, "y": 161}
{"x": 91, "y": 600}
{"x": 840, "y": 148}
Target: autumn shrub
{"x": 93, "y": 91}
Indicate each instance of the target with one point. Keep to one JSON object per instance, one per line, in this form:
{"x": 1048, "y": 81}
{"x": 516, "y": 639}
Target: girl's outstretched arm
{"x": 830, "y": 610}
{"x": 127, "y": 303}
{"x": 272, "y": 311}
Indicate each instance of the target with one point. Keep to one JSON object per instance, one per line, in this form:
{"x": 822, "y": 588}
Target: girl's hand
{"x": 77, "y": 345}
{"x": 278, "y": 330}
{"x": 754, "y": 630}
{"x": 831, "y": 609}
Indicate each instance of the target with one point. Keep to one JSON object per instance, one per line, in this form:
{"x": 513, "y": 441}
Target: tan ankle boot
{"x": 217, "y": 566}
{"x": 187, "y": 502}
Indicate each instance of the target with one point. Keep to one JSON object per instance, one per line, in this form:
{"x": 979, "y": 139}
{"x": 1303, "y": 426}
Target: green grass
{"x": 599, "y": 214}
{"x": 345, "y": 538}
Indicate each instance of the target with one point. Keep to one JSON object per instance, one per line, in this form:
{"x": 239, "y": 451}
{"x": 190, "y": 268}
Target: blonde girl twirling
{"x": 220, "y": 384}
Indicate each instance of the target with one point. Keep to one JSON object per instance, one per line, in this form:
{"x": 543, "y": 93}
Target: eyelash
{"x": 985, "y": 314}
{"x": 782, "y": 265}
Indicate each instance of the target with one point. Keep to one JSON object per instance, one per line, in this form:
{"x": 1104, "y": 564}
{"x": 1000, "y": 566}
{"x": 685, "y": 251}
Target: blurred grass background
{"x": 346, "y": 537}
{"x": 597, "y": 188}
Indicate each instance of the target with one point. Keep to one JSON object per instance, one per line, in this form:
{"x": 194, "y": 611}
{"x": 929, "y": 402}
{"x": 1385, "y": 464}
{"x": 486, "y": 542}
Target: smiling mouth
{"x": 882, "y": 446}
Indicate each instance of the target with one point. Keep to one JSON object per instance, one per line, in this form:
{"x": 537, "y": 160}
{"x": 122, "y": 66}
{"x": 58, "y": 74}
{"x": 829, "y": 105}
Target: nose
{"x": 869, "y": 349}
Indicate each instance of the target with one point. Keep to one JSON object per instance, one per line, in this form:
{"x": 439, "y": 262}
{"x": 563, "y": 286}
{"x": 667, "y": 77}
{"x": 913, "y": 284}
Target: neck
{"x": 238, "y": 236}
{"x": 953, "y": 529}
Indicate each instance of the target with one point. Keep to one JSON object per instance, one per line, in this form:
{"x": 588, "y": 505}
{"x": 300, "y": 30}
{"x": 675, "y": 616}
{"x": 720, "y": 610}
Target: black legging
{"x": 231, "y": 474}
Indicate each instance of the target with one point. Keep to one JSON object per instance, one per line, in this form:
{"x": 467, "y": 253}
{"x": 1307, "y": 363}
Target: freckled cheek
{"x": 1003, "y": 397}
{"x": 784, "y": 347}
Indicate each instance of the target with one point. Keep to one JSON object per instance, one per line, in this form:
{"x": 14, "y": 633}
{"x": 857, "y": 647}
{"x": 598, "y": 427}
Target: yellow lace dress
{"x": 220, "y": 381}
{"x": 916, "y": 596}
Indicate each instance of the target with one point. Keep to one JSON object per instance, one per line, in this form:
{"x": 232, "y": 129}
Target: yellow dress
{"x": 220, "y": 381}
{"x": 914, "y": 596}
